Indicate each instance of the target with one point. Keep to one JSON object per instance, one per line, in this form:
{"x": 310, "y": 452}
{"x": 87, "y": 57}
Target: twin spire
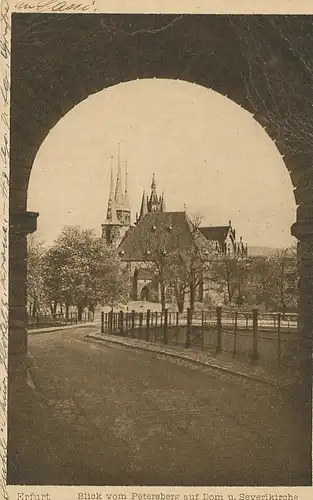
{"x": 118, "y": 205}
{"x": 118, "y": 212}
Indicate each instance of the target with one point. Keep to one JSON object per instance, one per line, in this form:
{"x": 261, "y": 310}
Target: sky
{"x": 208, "y": 154}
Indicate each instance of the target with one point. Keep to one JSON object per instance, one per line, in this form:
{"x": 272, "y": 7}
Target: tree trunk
{"x": 79, "y": 312}
{"x": 180, "y": 304}
{"x": 163, "y": 302}
{"x": 91, "y": 314}
{"x": 192, "y": 298}
{"x": 67, "y": 307}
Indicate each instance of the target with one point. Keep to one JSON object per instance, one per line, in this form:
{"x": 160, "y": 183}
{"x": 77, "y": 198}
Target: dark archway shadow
{"x": 259, "y": 62}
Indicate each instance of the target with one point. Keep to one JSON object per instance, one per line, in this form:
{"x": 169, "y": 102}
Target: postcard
{"x": 156, "y": 250}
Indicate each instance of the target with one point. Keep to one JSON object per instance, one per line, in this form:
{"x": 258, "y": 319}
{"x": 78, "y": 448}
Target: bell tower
{"x": 155, "y": 202}
{"x": 118, "y": 219}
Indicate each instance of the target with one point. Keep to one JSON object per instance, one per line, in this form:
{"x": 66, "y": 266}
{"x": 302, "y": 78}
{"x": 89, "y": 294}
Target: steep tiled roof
{"x": 157, "y": 230}
{"x": 217, "y": 233}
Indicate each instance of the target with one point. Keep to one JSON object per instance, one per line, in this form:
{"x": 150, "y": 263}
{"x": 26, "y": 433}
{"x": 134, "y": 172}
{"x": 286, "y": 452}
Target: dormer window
{"x": 122, "y": 253}
{"x": 153, "y": 228}
{"x": 170, "y": 227}
{"x": 148, "y": 252}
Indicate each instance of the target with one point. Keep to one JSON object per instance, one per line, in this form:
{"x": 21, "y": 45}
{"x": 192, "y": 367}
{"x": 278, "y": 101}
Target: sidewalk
{"x": 274, "y": 376}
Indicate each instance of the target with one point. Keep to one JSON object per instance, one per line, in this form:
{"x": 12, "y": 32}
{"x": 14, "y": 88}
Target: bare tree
{"x": 190, "y": 270}
{"x": 158, "y": 255}
{"x": 284, "y": 270}
{"x": 36, "y": 296}
{"x": 231, "y": 275}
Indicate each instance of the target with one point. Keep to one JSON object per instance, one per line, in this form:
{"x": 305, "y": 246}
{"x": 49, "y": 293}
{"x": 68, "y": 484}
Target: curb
{"x": 57, "y": 328}
{"x": 191, "y": 359}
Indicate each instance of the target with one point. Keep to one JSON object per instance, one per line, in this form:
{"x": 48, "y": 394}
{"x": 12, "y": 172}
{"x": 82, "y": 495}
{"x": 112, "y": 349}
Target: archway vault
{"x": 260, "y": 62}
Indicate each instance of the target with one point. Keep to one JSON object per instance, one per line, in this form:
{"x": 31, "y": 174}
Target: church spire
{"x": 162, "y": 204}
{"x": 111, "y": 211}
{"x": 143, "y": 208}
{"x": 126, "y": 197}
{"x": 111, "y": 193}
{"x": 154, "y": 204}
{"x": 119, "y": 188}
{"x": 153, "y": 184}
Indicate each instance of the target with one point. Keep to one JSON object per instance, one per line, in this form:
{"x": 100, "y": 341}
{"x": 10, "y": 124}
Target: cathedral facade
{"x": 155, "y": 233}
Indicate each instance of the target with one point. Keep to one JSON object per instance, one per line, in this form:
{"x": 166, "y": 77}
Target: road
{"x": 118, "y": 416}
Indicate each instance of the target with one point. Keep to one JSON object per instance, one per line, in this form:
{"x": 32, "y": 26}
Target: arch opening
{"x": 198, "y": 140}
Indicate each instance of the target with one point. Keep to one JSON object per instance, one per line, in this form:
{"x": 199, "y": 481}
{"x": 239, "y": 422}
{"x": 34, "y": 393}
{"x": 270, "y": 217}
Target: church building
{"x": 157, "y": 231}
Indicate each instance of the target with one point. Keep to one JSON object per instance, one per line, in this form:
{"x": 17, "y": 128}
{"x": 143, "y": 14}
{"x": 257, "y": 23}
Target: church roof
{"x": 156, "y": 230}
{"x": 215, "y": 233}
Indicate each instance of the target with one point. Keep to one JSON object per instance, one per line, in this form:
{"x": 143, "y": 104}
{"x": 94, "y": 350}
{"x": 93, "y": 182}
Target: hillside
{"x": 265, "y": 251}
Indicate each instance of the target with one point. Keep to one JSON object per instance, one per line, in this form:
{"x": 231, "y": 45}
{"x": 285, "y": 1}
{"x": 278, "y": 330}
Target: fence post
{"x": 188, "y": 332}
{"x": 140, "y": 323}
{"x": 255, "y": 352}
{"x": 102, "y": 322}
{"x": 202, "y": 330}
{"x": 165, "y": 338}
{"x": 235, "y": 332}
{"x": 219, "y": 329}
{"x": 278, "y": 338}
{"x": 121, "y": 322}
{"x": 133, "y": 323}
{"x": 155, "y": 324}
{"x": 111, "y": 321}
{"x": 148, "y": 324}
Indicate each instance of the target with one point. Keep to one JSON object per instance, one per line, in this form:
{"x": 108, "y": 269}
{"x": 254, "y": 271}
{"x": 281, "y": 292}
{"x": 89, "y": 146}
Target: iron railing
{"x": 270, "y": 337}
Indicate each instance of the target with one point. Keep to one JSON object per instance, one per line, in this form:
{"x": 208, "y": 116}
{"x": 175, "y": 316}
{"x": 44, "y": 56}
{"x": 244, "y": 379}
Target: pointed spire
{"x": 163, "y": 207}
{"x": 111, "y": 192}
{"x": 153, "y": 184}
{"x": 143, "y": 208}
{"x": 126, "y": 197}
{"x": 119, "y": 187}
{"x": 154, "y": 203}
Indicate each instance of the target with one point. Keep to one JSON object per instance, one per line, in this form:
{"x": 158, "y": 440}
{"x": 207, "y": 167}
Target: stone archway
{"x": 254, "y": 60}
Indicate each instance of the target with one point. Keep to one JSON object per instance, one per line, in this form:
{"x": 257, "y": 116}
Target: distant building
{"x": 118, "y": 219}
{"x": 156, "y": 229}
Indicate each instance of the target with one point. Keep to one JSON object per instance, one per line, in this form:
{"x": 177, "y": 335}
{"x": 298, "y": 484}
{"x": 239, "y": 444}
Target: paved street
{"x": 120, "y": 416}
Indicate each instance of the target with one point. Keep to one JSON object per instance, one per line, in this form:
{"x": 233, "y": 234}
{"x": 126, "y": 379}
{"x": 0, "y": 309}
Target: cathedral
{"x": 157, "y": 230}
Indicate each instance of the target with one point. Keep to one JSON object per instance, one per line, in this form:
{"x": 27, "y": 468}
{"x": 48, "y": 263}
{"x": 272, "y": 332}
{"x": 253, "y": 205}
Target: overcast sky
{"x": 206, "y": 151}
